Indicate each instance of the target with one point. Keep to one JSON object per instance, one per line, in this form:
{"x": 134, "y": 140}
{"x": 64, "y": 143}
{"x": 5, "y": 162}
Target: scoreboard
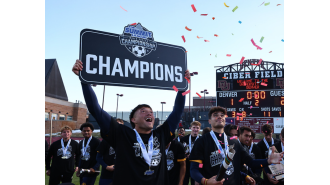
{"x": 256, "y": 93}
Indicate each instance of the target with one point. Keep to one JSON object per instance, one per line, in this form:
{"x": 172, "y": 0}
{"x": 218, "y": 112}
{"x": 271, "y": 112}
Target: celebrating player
{"x": 181, "y": 132}
{"x": 140, "y": 152}
{"x": 63, "y": 161}
{"x": 88, "y": 147}
{"x": 210, "y": 150}
{"x": 176, "y": 162}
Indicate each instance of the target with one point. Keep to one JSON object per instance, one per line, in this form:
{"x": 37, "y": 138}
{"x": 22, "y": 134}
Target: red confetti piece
{"x": 244, "y": 83}
{"x": 270, "y": 51}
{"x": 237, "y": 118}
{"x": 183, "y": 94}
{"x": 199, "y": 37}
{"x": 231, "y": 120}
{"x": 242, "y": 118}
{"x": 220, "y": 135}
{"x": 176, "y": 89}
{"x": 199, "y": 95}
{"x": 224, "y": 77}
{"x": 216, "y": 35}
{"x": 193, "y": 7}
{"x": 267, "y": 122}
{"x": 250, "y": 114}
{"x": 241, "y": 100}
{"x": 278, "y": 4}
{"x": 263, "y": 84}
{"x": 228, "y": 55}
{"x": 234, "y": 137}
{"x": 258, "y": 47}
{"x": 213, "y": 18}
{"x": 187, "y": 79}
{"x": 251, "y": 107}
{"x": 188, "y": 28}
{"x": 123, "y": 8}
{"x": 184, "y": 40}
{"x": 219, "y": 151}
{"x": 240, "y": 114}
{"x": 261, "y": 165}
{"x": 203, "y": 14}
{"x": 200, "y": 165}
{"x": 259, "y": 62}
{"x": 237, "y": 127}
{"x": 186, "y": 51}
{"x": 242, "y": 59}
{"x": 133, "y": 24}
{"x": 206, "y": 41}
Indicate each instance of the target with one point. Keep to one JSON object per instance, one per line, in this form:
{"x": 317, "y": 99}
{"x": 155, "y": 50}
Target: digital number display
{"x": 254, "y": 103}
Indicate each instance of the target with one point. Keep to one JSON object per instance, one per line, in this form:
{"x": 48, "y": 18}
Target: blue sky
{"x": 167, "y": 20}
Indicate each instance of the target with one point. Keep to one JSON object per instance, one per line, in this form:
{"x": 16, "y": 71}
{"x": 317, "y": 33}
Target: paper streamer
{"x": 226, "y": 5}
{"x": 206, "y": 41}
{"x": 237, "y": 118}
{"x": 270, "y": 51}
{"x": 266, "y": 4}
{"x": 278, "y": 4}
{"x": 242, "y": 60}
{"x": 216, "y": 35}
{"x": 176, "y": 89}
{"x": 224, "y": 77}
{"x": 200, "y": 165}
{"x": 193, "y": 7}
{"x": 228, "y": 55}
{"x": 234, "y": 137}
{"x": 240, "y": 101}
{"x": 262, "y": 3}
{"x": 259, "y": 62}
{"x": 123, "y": 8}
{"x": 203, "y": 14}
{"x": 258, "y": 47}
{"x": 183, "y": 94}
{"x": 199, "y": 37}
{"x": 250, "y": 107}
{"x": 262, "y": 38}
{"x": 187, "y": 79}
{"x": 199, "y": 95}
{"x": 188, "y": 28}
{"x": 240, "y": 114}
{"x": 235, "y": 8}
{"x": 213, "y": 18}
{"x": 263, "y": 84}
{"x": 133, "y": 24}
{"x": 184, "y": 40}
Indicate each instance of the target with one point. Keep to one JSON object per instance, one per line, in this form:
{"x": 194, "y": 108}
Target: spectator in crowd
{"x": 206, "y": 130}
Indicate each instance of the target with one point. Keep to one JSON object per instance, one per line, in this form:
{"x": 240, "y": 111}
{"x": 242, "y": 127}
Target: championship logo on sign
{"x": 138, "y": 40}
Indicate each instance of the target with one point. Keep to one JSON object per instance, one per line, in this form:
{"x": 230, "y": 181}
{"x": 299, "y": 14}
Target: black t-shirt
{"x": 278, "y": 146}
{"x": 130, "y": 165}
{"x": 206, "y": 151}
{"x": 59, "y": 165}
{"x": 185, "y": 141}
{"x": 255, "y": 154}
{"x": 109, "y": 156}
{"x": 263, "y": 148}
{"x": 90, "y": 155}
{"x": 174, "y": 155}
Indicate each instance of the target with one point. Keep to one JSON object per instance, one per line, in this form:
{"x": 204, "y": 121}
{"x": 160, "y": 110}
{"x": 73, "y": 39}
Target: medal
{"x": 267, "y": 145}
{"x": 190, "y": 148}
{"x": 65, "y": 149}
{"x": 84, "y": 156}
{"x": 216, "y": 141}
{"x": 149, "y": 172}
{"x": 146, "y": 155}
{"x": 64, "y": 157}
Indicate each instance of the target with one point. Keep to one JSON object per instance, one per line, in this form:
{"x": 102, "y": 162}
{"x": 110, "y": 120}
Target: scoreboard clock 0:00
{"x": 254, "y": 103}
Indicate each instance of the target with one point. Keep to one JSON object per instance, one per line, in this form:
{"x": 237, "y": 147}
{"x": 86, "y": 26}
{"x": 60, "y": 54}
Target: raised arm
{"x": 174, "y": 118}
{"x": 103, "y": 119}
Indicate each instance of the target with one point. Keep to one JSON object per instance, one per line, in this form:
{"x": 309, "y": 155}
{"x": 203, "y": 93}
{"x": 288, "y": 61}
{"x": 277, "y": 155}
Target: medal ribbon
{"x": 146, "y": 155}
{"x": 166, "y": 150}
{"x": 190, "y": 142}
{"x": 179, "y": 139}
{"x": 266, "y": 143}
{"x": 218, "y": 144}
{"x": 85, "y": 148}
{"x": 65, "y": 148}
{"x": 250, "y": 151}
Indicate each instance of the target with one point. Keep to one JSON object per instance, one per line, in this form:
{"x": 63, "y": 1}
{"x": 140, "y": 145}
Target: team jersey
{"x": 59, "y": 165}
{"x": 109, "y": 156}
{"x": 174, "y": 156}
{"x": 89, "y": 161}
{"x": 206, "y": 152}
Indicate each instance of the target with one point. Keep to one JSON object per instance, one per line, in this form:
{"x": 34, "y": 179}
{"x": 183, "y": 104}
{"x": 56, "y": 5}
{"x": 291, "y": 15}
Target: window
{"x": 69, "y": 118}
{"x": 46, "y": 116}
{"x": 54, "y": 116}
{"x": 62, "y": 117}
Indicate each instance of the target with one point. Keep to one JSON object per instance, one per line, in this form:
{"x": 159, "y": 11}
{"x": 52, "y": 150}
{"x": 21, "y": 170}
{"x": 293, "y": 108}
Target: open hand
{"x": 275, "y": 158}
{"x": 187, "y": 74}
{"x": 77, "y": 67}
{"x": 212, "y": 181}
{"x": 250, "y": 181}
{"x": 271, "y": 178}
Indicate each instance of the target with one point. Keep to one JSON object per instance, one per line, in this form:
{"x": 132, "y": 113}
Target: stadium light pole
{"x": 205, "y": 92}
{"x": 117, "y": 102}
{"x": 162, "y": 108}
{"x": 191, "y": 74}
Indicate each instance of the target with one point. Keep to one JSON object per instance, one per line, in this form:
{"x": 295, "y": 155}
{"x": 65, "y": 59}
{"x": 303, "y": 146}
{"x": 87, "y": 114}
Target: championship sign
{"x": 132, "y": 59}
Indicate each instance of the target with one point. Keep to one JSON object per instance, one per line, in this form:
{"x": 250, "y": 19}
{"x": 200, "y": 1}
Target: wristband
{"x": 205, "y": 182}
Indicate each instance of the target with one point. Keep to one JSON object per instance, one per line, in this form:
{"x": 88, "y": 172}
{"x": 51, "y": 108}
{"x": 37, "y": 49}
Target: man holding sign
{"x": 140, "y": 153}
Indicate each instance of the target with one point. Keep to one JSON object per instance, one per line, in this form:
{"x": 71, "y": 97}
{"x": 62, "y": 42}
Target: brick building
{"x": 57, "y": 107}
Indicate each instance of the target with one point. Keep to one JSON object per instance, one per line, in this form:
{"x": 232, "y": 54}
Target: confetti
{"x": 250, "y": 107}
{"x": 176, "y": 89}
{"x": 206, "y": 41}
{"x": 235, "y": 8}
{"x": 263, "y": 84}
{"x": 240, "y": 114}
{"x": 183, "y": 94}
{"x": 213, "y": 18}
{"x": 94, "y": 85}
{"x": 200, "y": 165}
{"x": 193, "y": 7}
{"x": 250, "y": 114}
{"x": 282, "y": 40}
{"x": 186, "y": 51}
{"x": 199, "y": 95}
{"x": 220, "y": 135}
{"x": 261, "y": 165}
{"x": 123, "y": 8}
{"x": 199, "y": 37}
{"x": 237, "y": 118}
{"x": 216, "y": 35}
{"x": 262, "y": 38}
{"x": 227, "y": 117}
{"x": 266, "y": 4}
{"x": 258, "y": 47}
{"x": 219, "y": 151}
{"x": 237, "y": 127}
{"x": 234, "y": 137}
{"x": 278, "y": 4}
{"x": 242, "y": 59}
{"x": 241, "y": 100}
{"x": 270, "y": 51}
{"x": 226, "y": 5}
{"x": 259, "y": 62}
{"x": 240, "y": 23}
{"x": 262, "y": 3}
{"x": 232, "y": 33}
{"x": 203, "y": 14}
{"x": 267, "y": 122}
{"x": 228, "y": 55}
{"x": 215, "y": 55}
{"x": 188, "y": 28}
{"x": 231, "y": 120}
{"x": 242, "y": 118}
{"x": 224, "y": 77}
{"x": 187, "y": 79}
{"x": 133, "y": 24}
{"x": 184, "y": 40}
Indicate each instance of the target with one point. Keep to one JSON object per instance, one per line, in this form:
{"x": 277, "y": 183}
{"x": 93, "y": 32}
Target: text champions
{"x": 140, "y": 69}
